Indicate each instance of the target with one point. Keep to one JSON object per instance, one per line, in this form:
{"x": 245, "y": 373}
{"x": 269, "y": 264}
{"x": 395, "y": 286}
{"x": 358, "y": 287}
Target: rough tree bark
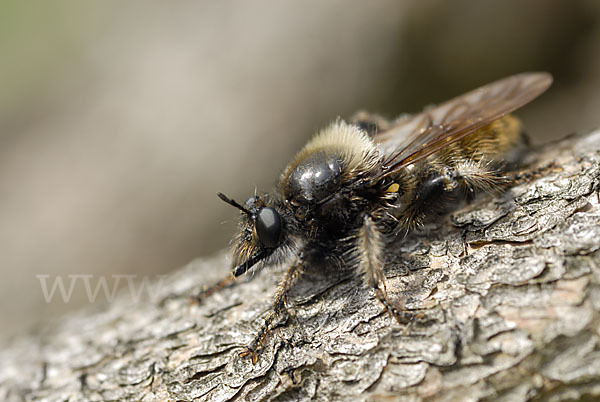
{"x": 510, "y": 289}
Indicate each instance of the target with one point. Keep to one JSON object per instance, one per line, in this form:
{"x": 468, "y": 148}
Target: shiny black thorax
{"x": 324, "y": 198}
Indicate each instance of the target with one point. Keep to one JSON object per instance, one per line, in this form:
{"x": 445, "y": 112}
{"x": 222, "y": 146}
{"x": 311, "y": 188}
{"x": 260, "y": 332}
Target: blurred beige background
{"x": 119, "y": 121}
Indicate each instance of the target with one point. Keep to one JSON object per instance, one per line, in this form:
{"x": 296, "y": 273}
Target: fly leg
{"x": 443, "y": 187}
{"x": 524, "y": 176}
{"x": 226, "y": 282}
{"x": 203, "y": 294}
{"x": 278, "y": 311}
{"x": 370, "y": 253}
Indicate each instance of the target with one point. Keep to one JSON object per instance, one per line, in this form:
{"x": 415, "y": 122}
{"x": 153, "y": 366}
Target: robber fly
{"x": 348, "y": 193}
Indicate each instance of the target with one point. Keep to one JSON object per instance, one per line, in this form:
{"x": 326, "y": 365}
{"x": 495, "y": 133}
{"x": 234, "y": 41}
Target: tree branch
{"x": 509, "y": 287}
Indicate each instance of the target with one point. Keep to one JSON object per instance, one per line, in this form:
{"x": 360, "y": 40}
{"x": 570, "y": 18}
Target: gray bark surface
{"x": 509, "y": 287}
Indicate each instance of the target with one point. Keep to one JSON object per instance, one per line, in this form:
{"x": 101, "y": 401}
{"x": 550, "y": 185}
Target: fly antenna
{"x": 234, "y": 204}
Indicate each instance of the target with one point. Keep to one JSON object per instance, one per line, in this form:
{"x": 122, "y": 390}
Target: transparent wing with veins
{"x": 416, "y": 137}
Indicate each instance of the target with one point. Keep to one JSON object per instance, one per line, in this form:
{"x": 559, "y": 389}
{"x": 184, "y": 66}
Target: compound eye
{"x": 268, "y": 227}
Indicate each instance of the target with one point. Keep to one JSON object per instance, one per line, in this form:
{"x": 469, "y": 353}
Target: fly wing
{"x": 413, "y": 138}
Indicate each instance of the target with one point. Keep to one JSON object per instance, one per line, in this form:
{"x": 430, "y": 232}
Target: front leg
{"x": 210, "y": 290}
{"x": 370, "y": 252}
{"x": 279, "y": 307}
